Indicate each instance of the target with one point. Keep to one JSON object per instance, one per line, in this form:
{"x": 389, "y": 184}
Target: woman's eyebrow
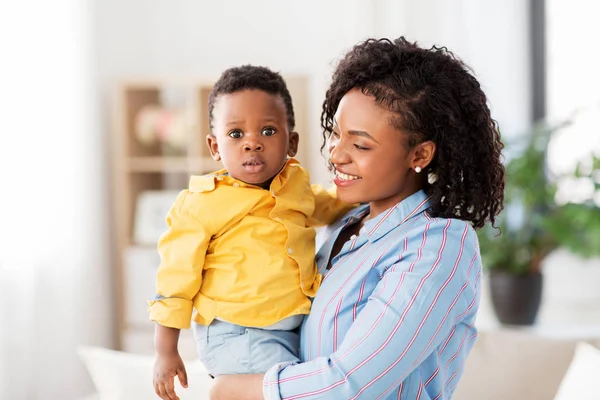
{"x": 355, "y": 132}
{"x": 363, "y": 134}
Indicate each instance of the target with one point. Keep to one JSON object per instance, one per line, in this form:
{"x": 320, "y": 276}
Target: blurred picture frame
{"x": 151, "y": 209}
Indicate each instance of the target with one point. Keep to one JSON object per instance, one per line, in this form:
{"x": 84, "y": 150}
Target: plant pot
{"x": 516, "y": 298}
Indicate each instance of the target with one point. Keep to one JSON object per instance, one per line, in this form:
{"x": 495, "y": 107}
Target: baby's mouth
{"x": 253, "y": 165}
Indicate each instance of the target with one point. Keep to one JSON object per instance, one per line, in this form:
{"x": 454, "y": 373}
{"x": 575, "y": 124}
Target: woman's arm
{"x": 238, "y": 387}
{"x": 417, "y": 306}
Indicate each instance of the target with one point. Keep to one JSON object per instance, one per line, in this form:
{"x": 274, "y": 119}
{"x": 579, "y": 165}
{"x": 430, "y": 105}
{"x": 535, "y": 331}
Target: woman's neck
{"x": 379, "y": 206}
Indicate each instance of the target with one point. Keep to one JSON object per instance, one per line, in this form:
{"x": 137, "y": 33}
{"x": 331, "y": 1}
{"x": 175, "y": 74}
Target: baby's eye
{"x": 237, "y": 134}
{"x": 268, "y": 132}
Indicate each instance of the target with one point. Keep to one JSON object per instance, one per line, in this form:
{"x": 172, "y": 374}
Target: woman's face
{"x": 373, "y": 162}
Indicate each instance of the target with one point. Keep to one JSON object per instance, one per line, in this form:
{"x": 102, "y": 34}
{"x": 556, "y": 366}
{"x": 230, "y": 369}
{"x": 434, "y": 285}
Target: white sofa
{"x": 525, "y": 364}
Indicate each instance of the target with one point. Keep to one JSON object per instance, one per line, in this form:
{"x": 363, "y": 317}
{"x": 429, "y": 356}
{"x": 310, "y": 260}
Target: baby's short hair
{"x": 250, "y": 77}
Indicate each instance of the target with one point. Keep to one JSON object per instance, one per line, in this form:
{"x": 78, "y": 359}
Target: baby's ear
{"x": 213, "y": 147}
{"x": 293, "y": 144}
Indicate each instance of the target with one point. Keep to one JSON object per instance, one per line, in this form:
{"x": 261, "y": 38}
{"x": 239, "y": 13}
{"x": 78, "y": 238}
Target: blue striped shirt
{"x": 394, "y": 317}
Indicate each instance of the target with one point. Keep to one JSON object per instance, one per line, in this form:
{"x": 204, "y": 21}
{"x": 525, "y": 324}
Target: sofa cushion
{"x": 581, "y": 380}
{"x": 124, "y": 376}
{"x": 517, "y": 364}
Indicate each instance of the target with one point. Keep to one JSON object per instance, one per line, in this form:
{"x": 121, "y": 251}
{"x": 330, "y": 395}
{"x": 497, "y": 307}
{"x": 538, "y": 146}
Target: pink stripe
{"x": 437, "y": 370}
{"x": 336, "y": 293}
{"x": 392, "y": 268}
{"x": 420, "y": 390}
{"x": 462, "y": 342}
{"x": 362, "y": 286}
{"x": 426, "y": 315}
{"x": 468, "y": 308}
{"x": 346, "y": 257}
{"x": 447, "y": 341}
{"x": 360, "y": 294}
{"x": 353, "y": 243}
{"x": 477, "y": 279}
{"x": 446, "y": 368}
{"x": 463, "y": 362}
{"x": 457, "y": 370}
{"x": 413, "y": 212}
{"x": 387, "y": 214}
{"x": 400, "y": 390}
{"x": 416, "y": 210}
{"x": 335, "y": 323}
{"x": 419, "y": 254}
{"x": 470, "y": 337}
{"x": 332, "y": 237}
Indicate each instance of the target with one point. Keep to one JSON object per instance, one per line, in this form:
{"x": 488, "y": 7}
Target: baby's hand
{"x": 168, "y": 366}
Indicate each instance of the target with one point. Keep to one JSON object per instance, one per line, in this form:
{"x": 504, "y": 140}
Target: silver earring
{"x": 418, "y": 169}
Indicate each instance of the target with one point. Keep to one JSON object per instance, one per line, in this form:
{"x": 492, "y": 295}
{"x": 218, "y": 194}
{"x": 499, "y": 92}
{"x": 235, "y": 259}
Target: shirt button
{"x": 236, "y": 184}
{"x": 290, "y": 250}
{"x": 273, "y": 193}
{"x": 353, "y": 237}
{"x": 277, "y": 219}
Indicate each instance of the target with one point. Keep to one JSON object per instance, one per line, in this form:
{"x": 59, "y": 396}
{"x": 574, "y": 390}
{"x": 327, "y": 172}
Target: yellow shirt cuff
{"x": 171, "y": 312}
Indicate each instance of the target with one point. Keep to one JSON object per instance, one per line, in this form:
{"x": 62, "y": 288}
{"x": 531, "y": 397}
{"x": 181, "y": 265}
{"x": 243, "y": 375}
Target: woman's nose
{"x": 337, "y": 155}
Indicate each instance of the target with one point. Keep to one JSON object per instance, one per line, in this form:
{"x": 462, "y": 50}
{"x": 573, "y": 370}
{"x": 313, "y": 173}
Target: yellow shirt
{"x": 239, "y": 252}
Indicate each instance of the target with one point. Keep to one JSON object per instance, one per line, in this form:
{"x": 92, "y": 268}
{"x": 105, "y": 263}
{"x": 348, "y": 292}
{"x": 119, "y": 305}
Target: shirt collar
{"x": 284, "y": 175}
{"x": 396, "y": 215}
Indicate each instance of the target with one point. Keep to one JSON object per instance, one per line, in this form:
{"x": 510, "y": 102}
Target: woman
{"x": 410, "y": 137}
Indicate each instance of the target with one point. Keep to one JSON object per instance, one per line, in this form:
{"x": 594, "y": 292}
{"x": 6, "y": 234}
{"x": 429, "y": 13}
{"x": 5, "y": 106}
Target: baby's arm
{"x": 328, "y": 208}
{"x": 182, "y": 249}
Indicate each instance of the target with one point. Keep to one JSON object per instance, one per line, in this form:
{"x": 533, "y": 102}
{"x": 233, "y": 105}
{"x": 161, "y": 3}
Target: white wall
{"x": 490, "y": 36}
{"x": 190, "y": 38}
{"x": 54, "y": 285}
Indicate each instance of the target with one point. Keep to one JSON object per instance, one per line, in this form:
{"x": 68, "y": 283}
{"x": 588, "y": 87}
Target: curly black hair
{"x": 438, "y": 99}
{"x": 250, "y": 77}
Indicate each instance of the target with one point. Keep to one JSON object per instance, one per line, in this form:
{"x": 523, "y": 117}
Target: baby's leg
{"x": 225, "y": 348}
{"x": 269, "y": 347}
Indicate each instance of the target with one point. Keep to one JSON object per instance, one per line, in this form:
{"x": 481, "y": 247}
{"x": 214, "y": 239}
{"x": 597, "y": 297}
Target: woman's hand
{"x": 237, "y": 387}
{"x": 166, "y": 367}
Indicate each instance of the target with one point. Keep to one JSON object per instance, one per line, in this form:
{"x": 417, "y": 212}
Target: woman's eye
{"x": 334, "y": 134}
{"x": 236, "y": 134}
{"x": 359, "y": 147}
{"x": 268, "y": 132}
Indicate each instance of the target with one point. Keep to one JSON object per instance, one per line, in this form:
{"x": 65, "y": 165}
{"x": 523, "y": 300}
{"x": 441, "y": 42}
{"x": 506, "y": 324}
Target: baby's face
{"x": 251, "y": 135}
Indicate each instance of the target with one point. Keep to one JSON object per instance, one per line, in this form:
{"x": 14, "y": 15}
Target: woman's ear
{"x": 213, "y": 146}
{"x": 423, "y": 153}
{"x": 293, "y": 144}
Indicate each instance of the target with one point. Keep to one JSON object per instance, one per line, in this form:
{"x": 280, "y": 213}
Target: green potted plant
{"x": 533, "y": 225}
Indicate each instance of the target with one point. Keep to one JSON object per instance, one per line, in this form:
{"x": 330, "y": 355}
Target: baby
{"x": 239, "y": 248}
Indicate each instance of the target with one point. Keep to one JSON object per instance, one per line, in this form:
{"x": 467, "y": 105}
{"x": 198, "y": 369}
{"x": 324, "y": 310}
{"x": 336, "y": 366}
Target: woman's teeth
{"x": 345, "y": 176}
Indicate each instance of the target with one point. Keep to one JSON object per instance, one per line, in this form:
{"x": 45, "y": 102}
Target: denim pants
{"x": 225, "y": 348}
